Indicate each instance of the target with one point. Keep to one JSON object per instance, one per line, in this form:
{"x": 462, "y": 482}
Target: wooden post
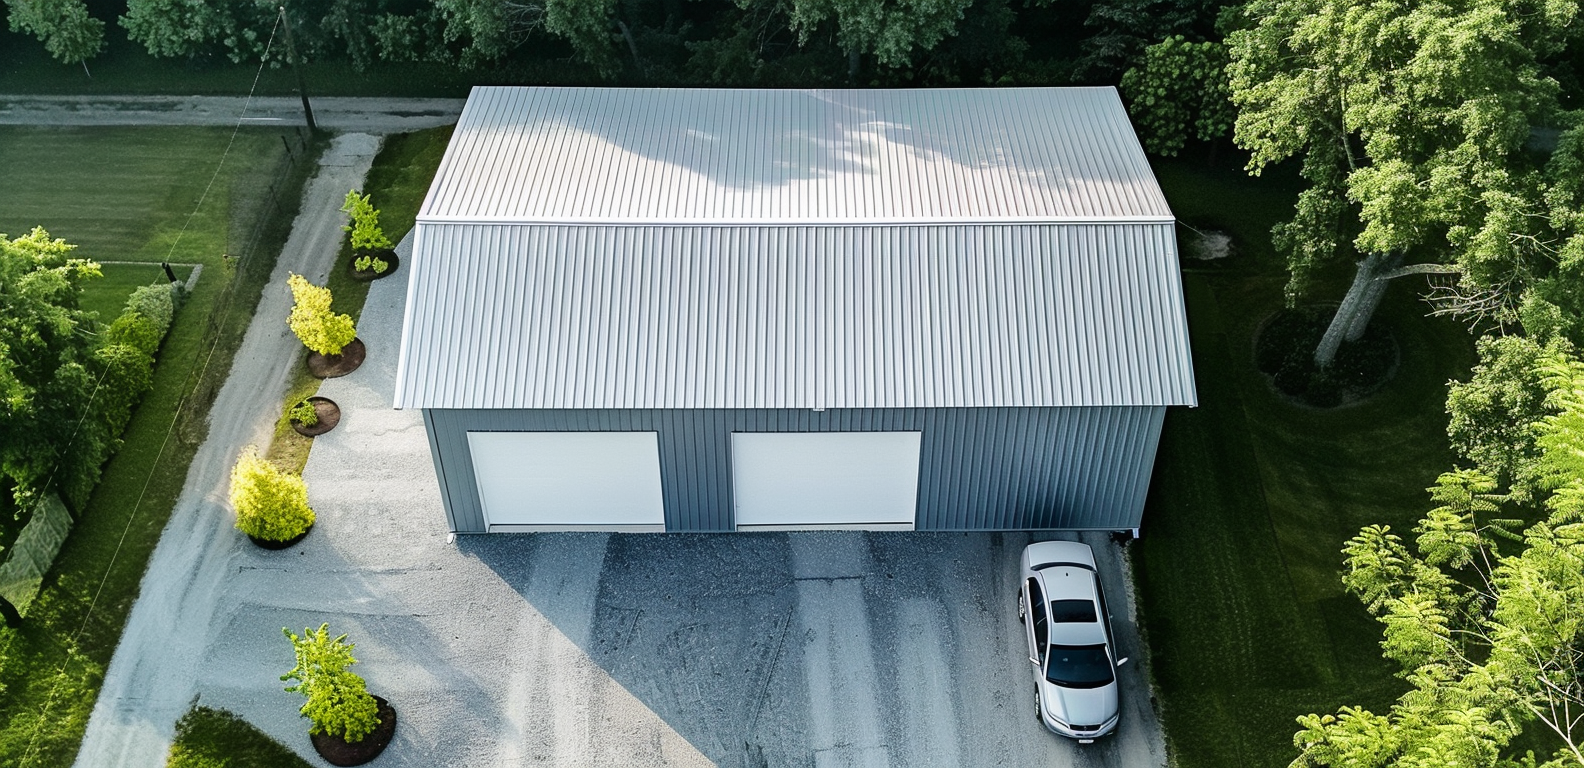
{"x": 291, "y": 55}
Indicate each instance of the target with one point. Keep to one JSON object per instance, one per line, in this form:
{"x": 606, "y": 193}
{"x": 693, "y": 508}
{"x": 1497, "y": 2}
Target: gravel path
{"x": 361, "y": 114}
{"x": 152, "y": 678}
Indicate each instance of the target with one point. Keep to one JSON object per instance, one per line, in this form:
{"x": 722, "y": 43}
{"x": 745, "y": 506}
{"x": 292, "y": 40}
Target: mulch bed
{"x": 272, "y": 544}
{"x": 332, "y": 366}
{"x": 338, "y": 751}
{"x": 364, "y": 276}
{"x": 329, "y": 416}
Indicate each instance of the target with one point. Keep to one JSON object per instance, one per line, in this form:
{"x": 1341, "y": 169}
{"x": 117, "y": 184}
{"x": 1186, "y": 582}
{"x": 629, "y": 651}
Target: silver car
{"x": 1069, "y": 637}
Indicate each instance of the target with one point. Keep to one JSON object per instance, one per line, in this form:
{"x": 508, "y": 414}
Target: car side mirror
{"x": 1122, "y": 661}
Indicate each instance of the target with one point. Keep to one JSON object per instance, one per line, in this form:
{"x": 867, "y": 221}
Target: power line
{"x": 220, "y": 310}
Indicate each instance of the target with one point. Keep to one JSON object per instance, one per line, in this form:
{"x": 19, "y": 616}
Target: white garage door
{"x": 568, "y": 480}
{"x": 825, "y": 479}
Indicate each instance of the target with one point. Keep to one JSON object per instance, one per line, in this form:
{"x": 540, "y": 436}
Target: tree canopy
{"x": 1480, "y": 614}
{"x": 1410, "y": 120}
{"x": 45, "y": 353}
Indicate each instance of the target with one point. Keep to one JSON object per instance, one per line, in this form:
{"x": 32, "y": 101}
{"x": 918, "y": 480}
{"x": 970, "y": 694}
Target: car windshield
{"x": 1078, "y": 666}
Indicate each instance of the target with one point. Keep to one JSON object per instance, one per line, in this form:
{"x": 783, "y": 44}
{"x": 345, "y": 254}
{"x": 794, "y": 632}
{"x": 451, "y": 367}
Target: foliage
{"x": 1122, "y": 29}
{"x": 45, "y": 354}
{"x": 1495, "y": 412}
{"x": 891, "y": 31}
{"x": 64, "y": 26}
{"x": 1410, "y": 119}
{"x": 177, "y": 28}
{"x": 216, "y": 738}
{"x": 365, "y": 228}
{"x": 270, "y": 504}
{"x": 305, "y": 414}
{"x": 312, "y": 320}
{"x": 156, "y": 302}
{"x": 1554, "y": 307}
{"x": 338, "y": 703}
{"x": 1481, "y": 620}
{"x": 136, "y": 331}
{"x": 1180, "y": 85}
{"x": 122, "y": 190}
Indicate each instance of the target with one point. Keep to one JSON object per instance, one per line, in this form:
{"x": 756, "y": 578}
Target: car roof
{"x": 1071, "y": 582}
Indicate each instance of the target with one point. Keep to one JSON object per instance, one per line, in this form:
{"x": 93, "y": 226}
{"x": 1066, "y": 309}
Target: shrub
{"x": 338, "y": 703}
{"x": 155, "y": 302}
{"x": 316, "y": 326}
{"x": 304, "y": 413}
{"x": 367, "y": 235}
{"x": 134, "y": 330}
{"x": 270, "y": 504}
{"x": 371, "y": 261}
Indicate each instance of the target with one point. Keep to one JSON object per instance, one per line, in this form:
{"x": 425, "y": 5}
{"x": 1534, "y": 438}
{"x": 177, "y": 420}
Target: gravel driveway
{"x": 769, "y": 649}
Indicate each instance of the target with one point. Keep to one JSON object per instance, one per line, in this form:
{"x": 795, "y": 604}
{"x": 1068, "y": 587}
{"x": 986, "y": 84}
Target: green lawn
{"x": 1238, "y": 568}
{"x": 215, "y": 738}
{"x": 124, "y": 194}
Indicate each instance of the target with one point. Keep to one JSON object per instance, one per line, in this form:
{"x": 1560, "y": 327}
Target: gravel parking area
{"x": 571, "y": 649}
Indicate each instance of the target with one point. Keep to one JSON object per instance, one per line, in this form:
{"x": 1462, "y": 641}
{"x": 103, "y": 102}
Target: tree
{"x": 339, "y": 703}
{"x": 45, "y": 350}
{"x": 1495, "y": 412}
{"x": 1410, "y": 119}
{"x": 64, "y": 26}
{"x": 1122, "y": 29}
{"x": 891, "y": 30}
{"x": 176, "y": 28}
{"x": 1180, "y": 86}
{"x": 1482, "y": 617}
{"x": 316, "y": 325}
{"x": 270, "y": 504}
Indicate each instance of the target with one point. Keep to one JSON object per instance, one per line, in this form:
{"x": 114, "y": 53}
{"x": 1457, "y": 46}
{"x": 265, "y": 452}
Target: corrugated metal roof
{"x": 867, "y": 316}
{"x": 615, "y": 155}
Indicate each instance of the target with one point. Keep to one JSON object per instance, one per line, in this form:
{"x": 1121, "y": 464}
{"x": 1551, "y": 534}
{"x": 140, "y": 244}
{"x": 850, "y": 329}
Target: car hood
{"x": 1081, "y": 706}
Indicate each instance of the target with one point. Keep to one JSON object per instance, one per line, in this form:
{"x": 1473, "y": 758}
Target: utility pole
{"x": 291, "y": 55}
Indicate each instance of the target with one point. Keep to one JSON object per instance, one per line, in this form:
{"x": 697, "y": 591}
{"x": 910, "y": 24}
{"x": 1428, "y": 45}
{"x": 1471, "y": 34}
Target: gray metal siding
{"x": 981, "y": 468}
{"x": 503, "y": 316}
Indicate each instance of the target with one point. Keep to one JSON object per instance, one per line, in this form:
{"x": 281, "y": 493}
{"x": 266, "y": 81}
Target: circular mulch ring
{"x": 1284, "y": 345}
{"x": 272, "y": 544}
{"x": 329, "y": 416}
{"x": 338, "y": 751}
{"x": 332, "y": 366}
{"x": 363, "y": 276}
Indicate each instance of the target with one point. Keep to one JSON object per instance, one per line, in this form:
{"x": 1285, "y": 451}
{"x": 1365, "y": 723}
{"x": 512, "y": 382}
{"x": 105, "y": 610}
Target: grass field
{"x": 125, "y": 194}
{"x": 1238, "y": 568}
{"x": 107, "y": 295}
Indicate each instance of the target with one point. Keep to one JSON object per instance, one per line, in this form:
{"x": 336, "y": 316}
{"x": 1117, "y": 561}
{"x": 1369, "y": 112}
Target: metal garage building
{"x": 711, "y": 310}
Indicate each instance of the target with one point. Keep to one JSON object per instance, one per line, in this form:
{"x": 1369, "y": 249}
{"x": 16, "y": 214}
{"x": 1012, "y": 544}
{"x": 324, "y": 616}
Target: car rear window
{"x": 1062, "y": 611}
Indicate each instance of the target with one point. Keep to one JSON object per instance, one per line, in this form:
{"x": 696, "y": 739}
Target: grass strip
{"x": 216, "y": 738}
{"x": 1238, "y": 570}
{"x": 52, "y": 667}
{"x": 397, "y": 182}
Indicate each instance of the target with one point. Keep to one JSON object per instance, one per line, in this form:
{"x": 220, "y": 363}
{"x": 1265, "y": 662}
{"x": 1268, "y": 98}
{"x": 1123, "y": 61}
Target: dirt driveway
{"x": 773, "y": 649}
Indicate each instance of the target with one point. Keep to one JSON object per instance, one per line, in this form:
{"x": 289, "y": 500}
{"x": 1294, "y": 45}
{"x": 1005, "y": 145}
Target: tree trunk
{"x": 852, "y": 65}
{"x": 9, "y": 615}
{"x": 632, "y": 47}
{"x": 1358, "y": 306}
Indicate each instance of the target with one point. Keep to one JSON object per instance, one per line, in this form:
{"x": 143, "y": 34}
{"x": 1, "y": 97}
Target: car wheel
{"x": 1039, "y": 709}
{"x": 1022, "y": 609}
